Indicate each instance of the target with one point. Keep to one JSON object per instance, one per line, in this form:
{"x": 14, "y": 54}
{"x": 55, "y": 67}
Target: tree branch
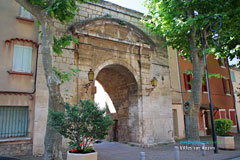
{"x": 33, "y": 9}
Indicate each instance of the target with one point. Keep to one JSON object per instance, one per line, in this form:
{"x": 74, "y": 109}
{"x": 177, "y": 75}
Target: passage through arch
{"x": 121, "y": 86}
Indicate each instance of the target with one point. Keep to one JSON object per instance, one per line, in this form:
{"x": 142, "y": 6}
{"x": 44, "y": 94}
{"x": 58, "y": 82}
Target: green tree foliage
{"x": 48, "y": 12}
{"x": 180, "y": 22}
{"x": 82, "y": 124}
{"x": 223, "y": 127}
{"x": 62, "y": 10}
{"x": 174, "y": 19}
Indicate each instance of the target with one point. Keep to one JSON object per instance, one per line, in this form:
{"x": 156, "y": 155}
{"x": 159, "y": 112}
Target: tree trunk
{"x": 53, "y": 140}
{"x": 192, "y": 106}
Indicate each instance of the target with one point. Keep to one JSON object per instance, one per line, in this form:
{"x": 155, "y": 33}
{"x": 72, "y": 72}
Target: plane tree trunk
{"x": 53, "y": 140}
{"x": 192, "y": 106}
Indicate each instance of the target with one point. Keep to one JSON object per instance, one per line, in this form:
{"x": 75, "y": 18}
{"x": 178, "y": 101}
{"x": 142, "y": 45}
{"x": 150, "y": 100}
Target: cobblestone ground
{"x": 117, "y": 151}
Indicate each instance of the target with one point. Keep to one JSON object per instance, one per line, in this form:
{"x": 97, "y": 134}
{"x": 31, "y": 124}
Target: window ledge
{"x": 223, "y": 67}
{"x": 20, "y": 73}
{"x": 25, "y": 19}
{"x": 228, "y": 94}
{"x": 15, "y": 139}
{"x": 205, "y": 92}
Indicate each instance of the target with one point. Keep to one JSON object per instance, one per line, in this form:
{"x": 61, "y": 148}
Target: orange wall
{"x": 219, "y": 98}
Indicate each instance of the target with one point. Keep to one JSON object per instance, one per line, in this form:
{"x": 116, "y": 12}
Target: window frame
{"x": 222, "y": 62}
{"x": 20, "y": 68}
{"x": 13, "y": 127}
{"x": 232, "y": 110}
{"x": 221, "y": 110}
{"x": 187, "y": 79}
{"x": 227, "y": 82}
{"x": 23, "y": 12}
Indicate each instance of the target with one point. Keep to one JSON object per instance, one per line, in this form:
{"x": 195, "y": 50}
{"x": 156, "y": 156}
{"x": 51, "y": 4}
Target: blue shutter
{"x": 13, "y": 121}
{"x": 17, "y": 58}
{"x": 233, "y": 78}
{"x": 22, "y": 59}
{"x": 27, "y": 59}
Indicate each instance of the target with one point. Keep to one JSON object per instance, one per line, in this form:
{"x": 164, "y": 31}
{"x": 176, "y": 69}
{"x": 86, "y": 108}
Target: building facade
{"x": 235, "y": 77}
{"x": 19, "y": 50}
{"x": 115, "y": 46}
{"x": 221, "y": 93}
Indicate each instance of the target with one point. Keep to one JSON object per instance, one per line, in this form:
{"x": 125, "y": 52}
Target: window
{"x": 222, "y": 62}
{"x": 233, "y": 78}
{"x": 24, "y": 13}
{"x": 232, "y": 116}
{"x": 222, "y": 113}
{"x": 204, "y": 85}
{"x": 226, "y": 86}
{"x": 22, "y": 59}
{"x": 188, "y": 81}
{"x": 13, "y": 121}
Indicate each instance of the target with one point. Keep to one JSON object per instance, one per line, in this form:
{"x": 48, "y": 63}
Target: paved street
{"x": 118, "y": 151}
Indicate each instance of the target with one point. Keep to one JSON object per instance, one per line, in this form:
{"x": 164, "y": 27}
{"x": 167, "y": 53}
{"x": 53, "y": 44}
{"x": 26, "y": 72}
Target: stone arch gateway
{"x": 121, "y": 56}
{"x": 121, "y": 86}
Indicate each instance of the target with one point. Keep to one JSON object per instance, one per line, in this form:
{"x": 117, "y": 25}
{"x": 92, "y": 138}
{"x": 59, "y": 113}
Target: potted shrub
{"x": 81, "y": 124}
{"x": 224, "y": 136}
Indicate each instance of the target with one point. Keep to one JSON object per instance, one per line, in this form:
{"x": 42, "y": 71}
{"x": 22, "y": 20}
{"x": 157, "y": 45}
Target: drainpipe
{"x": 35, "y": 80}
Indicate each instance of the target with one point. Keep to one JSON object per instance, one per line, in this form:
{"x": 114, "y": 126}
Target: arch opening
{"x": 121, "y": 86}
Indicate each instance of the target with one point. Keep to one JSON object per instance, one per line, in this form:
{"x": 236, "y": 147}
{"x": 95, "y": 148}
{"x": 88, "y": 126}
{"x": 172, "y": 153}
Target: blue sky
{"x": 137, "y": 5}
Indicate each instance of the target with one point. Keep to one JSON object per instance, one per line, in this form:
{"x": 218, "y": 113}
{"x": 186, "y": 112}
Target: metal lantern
{"x": 90, "y": 75}
{"x": 154, "y": 82}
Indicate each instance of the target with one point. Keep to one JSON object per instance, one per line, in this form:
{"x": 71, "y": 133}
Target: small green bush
{"x": 82, "y": 124}
{"x": 223, "y": 127}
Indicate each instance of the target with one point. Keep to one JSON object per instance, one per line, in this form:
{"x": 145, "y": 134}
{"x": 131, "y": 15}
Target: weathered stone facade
{"x": 124, "y": 58}
{"x": 113, "y": 43}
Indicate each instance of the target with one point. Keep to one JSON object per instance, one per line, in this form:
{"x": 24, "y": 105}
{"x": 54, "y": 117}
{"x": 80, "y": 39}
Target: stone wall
{"x": 16, "y": 148}
{"x": 124, "y": 59}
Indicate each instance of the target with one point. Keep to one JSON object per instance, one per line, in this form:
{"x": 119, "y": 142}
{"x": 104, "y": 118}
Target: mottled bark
{"x": 53, "y": 140}
{"x": 191, "y": 107}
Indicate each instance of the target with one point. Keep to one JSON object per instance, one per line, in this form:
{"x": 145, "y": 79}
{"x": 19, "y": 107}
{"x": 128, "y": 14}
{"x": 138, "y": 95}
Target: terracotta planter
{"x": 226, "y": 142}
{"x": 87, "y": 156}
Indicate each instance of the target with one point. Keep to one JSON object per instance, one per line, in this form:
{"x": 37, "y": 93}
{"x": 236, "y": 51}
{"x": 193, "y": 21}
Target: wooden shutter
{"x": 27, "y": 59}
{"x": 230, "y": 86}
{"x": 224, "y": 85}
{"x": 233, "y": 117}
{"x": 186, "y": 81}
{"x": 22, "y": 59}
{"x": 17, "y": 58}
{"x": 222, "y": 114}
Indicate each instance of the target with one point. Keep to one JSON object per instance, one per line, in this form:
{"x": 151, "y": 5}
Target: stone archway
{"x": 121, "y": 86}
{"x": 122, "y": 58}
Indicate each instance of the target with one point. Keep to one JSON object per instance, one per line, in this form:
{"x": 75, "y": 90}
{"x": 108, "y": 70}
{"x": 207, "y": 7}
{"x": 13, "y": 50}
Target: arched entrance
{"x": 121, "y": 86}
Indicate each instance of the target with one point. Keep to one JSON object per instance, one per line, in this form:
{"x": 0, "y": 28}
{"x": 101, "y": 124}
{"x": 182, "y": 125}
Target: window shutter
{"x": 191, "y": 78}
{"x": 185, "y": 81}
{"x": 22, "y": 59}
{"x": 233, "y": 117}
{"x": 27, "y": 59}
{"x": 224, "y": 85}
{"x": 233, "y": 76}
{"x": 230, "y": 87}
{"x": 219, "y": 62}
{"x": 225, "y": 62}
{"x": 222, "y": 114}
{"x": 17, "y": 58}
